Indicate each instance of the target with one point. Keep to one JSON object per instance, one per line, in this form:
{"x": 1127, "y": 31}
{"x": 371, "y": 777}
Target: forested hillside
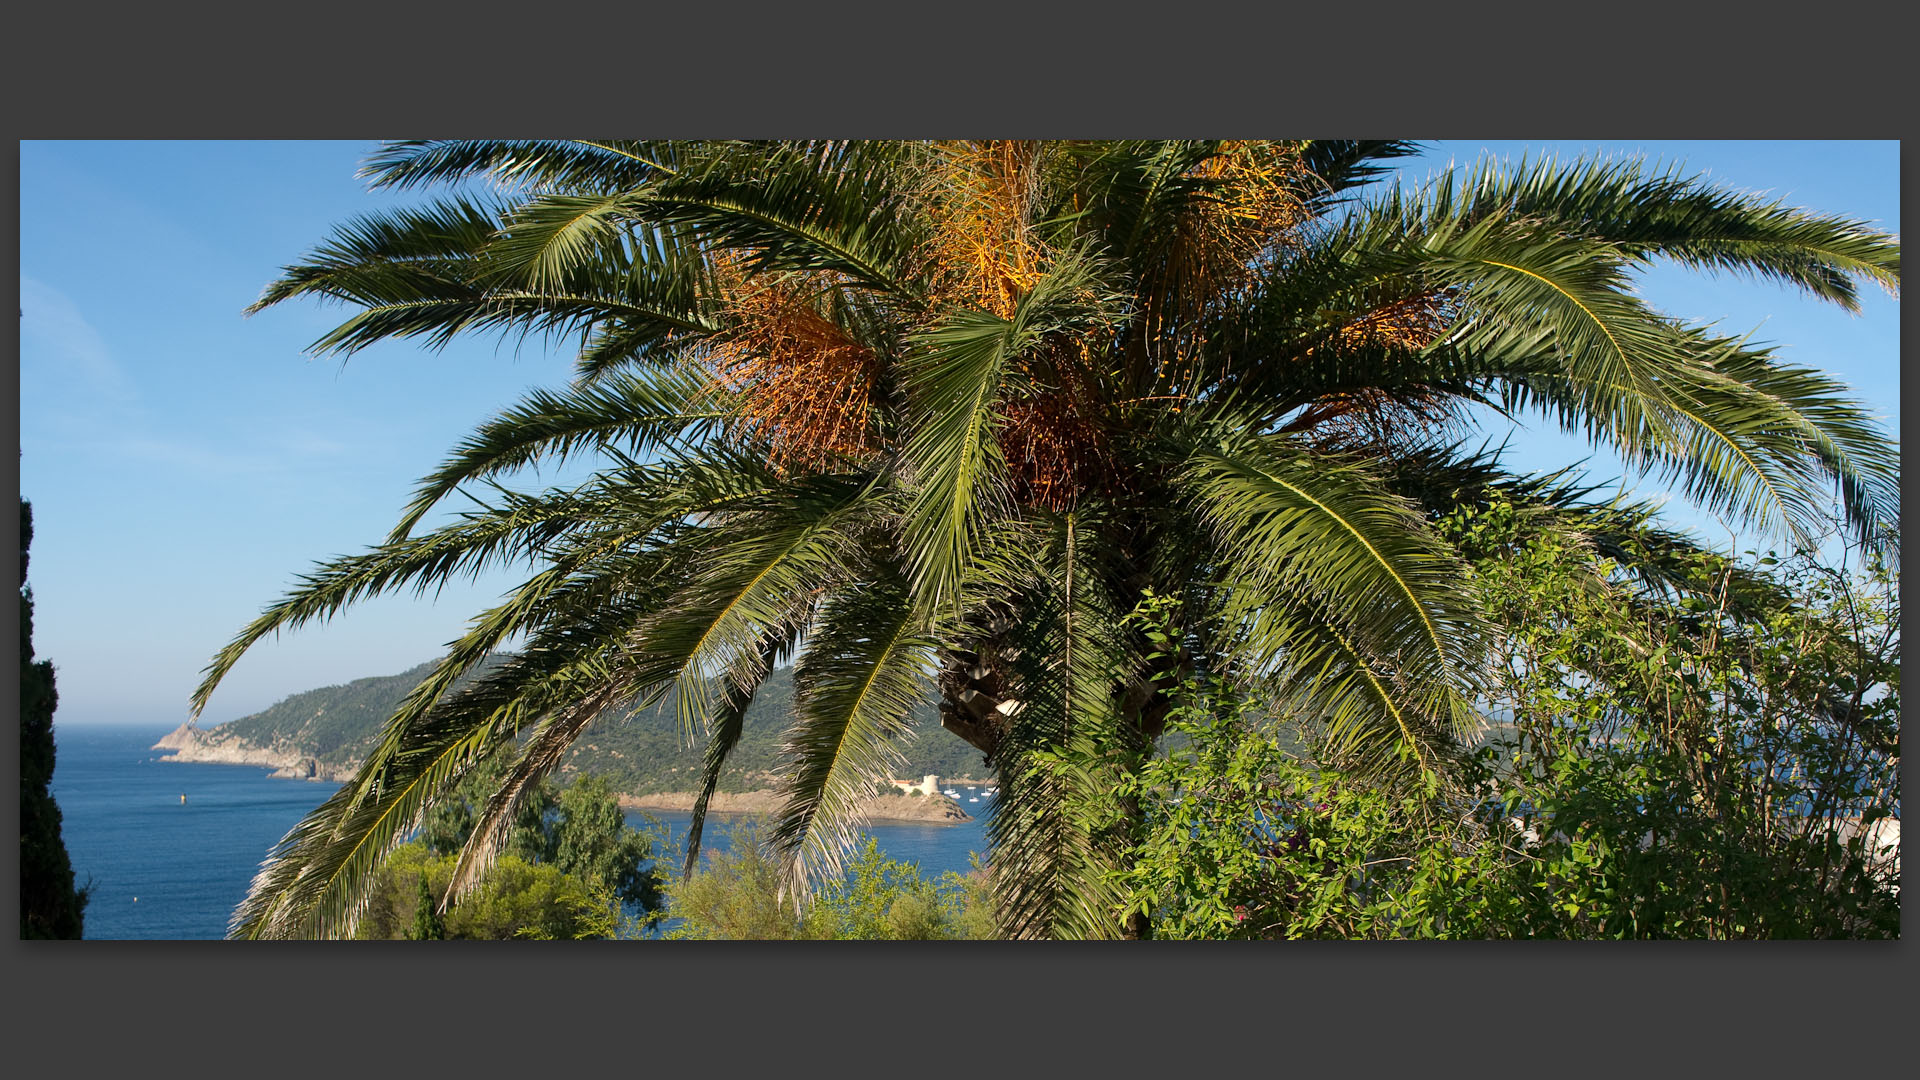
{"x": 335, "y": 725}
{"x": 640, "y": 752}
{"x": 646, "y": 752}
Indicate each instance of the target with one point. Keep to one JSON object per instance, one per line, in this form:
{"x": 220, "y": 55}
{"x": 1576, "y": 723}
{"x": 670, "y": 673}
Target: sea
{"x": 169, "y": 848}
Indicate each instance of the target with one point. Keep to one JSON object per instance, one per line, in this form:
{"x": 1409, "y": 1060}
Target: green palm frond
{"x": 540, "y": 751}
{"x": 958, "y": 375}
{"x": 412, "y": 254}
{"x": 1322, "y": 541}
{"x": 540, "y": 163}
{"x": 549, "y": 239}
{"x": 762, "y": 558}
{"x": 1056, "y": 832}
{"x": 1577, "y": 290}
{"x": 727, "y": 723}
{"x": 862, "y": 671}
{"x": 1646, "y": 212}
{"x": 828, "y": 207}
{"x": 1344, "y": 165}
{"x": 469, "y": 546}
{"x": 551, "y": 686}
{"x": 635, "y": 411}
{"x": 314, "y": 882}
{"x": 1549, "y": 319}
{"x": 1137, "y": 191}
{"x": 1853, "y": 451}
{"x": 1368, "y": 715}
{"x": 439, "y": 272}
{"x": 1763, "y": 443}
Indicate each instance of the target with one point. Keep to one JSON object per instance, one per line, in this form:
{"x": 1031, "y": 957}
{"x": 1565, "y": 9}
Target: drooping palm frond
{"x": 1320, "y": 548}
{"x": 957, "y": 375}
{"x": 1066, "y": 735}
{"x": 674, "y": 649}
{"x": 541, "y": 163}
{"x": 615, "y": 512}
{"x": 1854, "y": 453}
{"x": 957, "y": 458}
{"x": 541, "y": 749}
{"x": 1767, "y": 445}
{"x": 861, "y": 672}
{"x": 1543, "y": 313}
{"x": 1646, "y": 213}
{"x": 314, "y": 882}
{"x": 423, "y": 563}
{"x": 725, "y": 726}
{"x": 636, "y": 412}
{"x": 765, "y": 557}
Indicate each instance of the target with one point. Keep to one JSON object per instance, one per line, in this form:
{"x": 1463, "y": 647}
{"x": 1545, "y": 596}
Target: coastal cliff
{"x": 216, "y": 746}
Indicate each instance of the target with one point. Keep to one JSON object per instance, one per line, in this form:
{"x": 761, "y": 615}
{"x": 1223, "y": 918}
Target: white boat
{"x": 973, "y": 800}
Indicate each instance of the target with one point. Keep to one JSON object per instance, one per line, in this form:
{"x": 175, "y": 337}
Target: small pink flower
{"x": 1239, "y": 913}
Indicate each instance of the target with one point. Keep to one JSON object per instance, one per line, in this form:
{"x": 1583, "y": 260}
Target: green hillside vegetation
{"x": 640, "y": 752}
{"x": 335, "y": 725}
{"x": 646, "y": 752}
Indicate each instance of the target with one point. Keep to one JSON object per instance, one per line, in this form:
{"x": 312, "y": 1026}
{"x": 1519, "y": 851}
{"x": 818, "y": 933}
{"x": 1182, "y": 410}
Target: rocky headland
{"x": 214, "y": 746}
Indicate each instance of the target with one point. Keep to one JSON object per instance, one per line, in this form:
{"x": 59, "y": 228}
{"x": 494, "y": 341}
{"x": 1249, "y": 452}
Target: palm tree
{"x": 937, "y": 416}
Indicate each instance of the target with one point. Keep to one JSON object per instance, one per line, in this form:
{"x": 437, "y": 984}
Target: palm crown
{"x": 914, "y": 414}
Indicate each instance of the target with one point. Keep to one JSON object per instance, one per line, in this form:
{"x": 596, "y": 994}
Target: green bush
{"x": 516, "y": 899}
{"x": 735, "y": 895}
{"x": 1695, "y": 763}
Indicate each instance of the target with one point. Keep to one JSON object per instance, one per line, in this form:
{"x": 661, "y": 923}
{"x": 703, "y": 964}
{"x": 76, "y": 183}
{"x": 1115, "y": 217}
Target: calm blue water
{"x": 935, "y": 849}
{"x": 161, "y": 869}
{"x": 164, "y": 870}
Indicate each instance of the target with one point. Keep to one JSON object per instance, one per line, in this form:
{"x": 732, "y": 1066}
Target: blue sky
{"x": 186, "y": 463}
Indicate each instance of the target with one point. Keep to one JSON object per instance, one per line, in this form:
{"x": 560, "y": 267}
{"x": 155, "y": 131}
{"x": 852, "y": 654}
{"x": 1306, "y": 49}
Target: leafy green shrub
{"x": 735, "y": 895}
{"x": 1699, "y": 762}
{"x": 579, "y": 829}
{"x": 516, "y": 899}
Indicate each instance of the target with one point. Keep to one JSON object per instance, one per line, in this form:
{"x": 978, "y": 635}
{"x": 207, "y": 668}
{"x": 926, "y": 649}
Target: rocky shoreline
{"x": 188, "y": 743}
{"x": 935, "y": 810}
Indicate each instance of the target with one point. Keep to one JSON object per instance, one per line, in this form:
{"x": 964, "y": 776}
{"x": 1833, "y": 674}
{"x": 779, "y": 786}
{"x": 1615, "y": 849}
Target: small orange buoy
{"x": 183, "y": 800}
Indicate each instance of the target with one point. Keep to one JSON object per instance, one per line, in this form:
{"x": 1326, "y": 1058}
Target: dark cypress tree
{"x": 50, "y": 907}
